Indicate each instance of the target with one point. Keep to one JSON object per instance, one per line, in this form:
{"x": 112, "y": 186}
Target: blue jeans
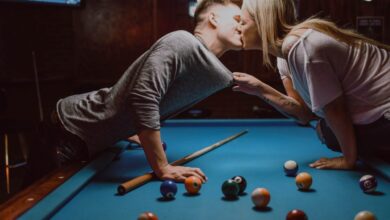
{"x": 372, "y": 139}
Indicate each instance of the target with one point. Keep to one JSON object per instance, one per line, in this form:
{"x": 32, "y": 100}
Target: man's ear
{"x": 212, "y": 20}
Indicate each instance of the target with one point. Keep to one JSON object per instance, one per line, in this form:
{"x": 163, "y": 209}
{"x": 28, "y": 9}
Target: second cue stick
{"x": 138, "y": 181}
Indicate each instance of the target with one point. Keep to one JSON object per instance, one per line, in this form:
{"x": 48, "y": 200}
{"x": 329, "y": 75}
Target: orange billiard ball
{"x": 365, "y": 215}
{"x": 303, "y": 181}
{"x": 261, "y": 197}
{"x": 147, "y": 216}
{"x": 193, "y": 184}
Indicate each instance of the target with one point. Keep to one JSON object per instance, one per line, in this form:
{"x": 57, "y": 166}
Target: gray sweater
{"x": 175, "y": 73}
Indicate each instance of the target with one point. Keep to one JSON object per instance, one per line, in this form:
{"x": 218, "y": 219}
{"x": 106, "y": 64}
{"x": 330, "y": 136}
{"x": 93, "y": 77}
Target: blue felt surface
{"x": 258, "y": 156}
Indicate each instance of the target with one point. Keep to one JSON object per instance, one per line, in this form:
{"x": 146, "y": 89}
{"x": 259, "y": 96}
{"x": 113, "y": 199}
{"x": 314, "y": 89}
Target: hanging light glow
{"x": 192, "y": 7}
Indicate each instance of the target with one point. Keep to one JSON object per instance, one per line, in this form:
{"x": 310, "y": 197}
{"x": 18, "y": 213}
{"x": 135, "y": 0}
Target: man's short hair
{"x": 204, "y": 5}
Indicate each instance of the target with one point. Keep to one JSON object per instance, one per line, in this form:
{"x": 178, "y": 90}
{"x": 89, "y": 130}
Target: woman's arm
{"x": 338, "y": 119}
{"x": 290, "y": 105}
{"x": 304, "y": 114}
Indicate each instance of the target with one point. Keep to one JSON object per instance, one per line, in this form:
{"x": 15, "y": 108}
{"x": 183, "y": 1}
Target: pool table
{"x": 259, "y": 155}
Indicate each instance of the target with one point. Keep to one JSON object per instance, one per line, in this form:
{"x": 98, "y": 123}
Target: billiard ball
{"x": 296, "y": 214}
{"x": 230, "y": 189}
{"x": 365, "y": 215}
{"x": 192, "y": 184}
{"x": 241, "y": 181}
{"x": 147, "y": 216}
{"x": 368, "y": 183}
{"x": 261, "y": 197}
{"x": 168, "y": 189}
{"x": 303, "y": 181}
{"x": 290, "y": 168}
{"x": 164, "y": 146}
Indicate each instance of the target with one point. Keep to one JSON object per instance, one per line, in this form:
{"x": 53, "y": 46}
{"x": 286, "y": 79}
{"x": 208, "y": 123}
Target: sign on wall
{"x": 372, "y": 27}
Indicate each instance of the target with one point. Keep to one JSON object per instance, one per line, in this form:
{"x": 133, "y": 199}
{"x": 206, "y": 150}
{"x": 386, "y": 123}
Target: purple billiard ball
{"x": 290, "y": 168}
{"x": 164, "y": 146}
{"x": 168, "y": 189}
{"x": 368, "y": 183}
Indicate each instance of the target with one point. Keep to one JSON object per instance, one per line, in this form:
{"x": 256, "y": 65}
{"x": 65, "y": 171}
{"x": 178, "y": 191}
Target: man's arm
{"x": 336, "y": 115}
{"x": 151, "y": 143}
{"x": 290, "y": 105}
{"x": 156, "y": 74}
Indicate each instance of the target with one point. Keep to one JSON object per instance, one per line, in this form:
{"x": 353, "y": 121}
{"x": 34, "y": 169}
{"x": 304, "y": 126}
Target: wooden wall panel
{"x": 109, "y": 36}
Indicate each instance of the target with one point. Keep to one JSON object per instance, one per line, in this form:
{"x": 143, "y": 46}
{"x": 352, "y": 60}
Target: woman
{"x": 337, "y": 74}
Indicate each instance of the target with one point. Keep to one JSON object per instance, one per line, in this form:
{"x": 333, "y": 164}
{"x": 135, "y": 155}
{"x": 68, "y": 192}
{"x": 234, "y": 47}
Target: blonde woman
{"x": 335, "y": 73}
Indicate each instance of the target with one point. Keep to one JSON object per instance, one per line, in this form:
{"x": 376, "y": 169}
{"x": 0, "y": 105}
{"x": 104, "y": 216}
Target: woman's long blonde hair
{"x": 275, "y": 19}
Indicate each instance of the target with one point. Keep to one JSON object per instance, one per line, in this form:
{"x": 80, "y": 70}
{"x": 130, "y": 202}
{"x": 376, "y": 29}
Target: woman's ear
{"x": 212, "y": 20}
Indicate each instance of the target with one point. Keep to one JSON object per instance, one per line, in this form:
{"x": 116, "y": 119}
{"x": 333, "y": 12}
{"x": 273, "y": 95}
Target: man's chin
{"x": 238, "y": 46}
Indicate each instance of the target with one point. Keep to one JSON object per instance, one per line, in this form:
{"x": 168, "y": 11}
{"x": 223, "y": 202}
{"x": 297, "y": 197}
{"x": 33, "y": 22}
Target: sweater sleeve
{"x": 282, "y": 68}
{"x": 154, "y": 77}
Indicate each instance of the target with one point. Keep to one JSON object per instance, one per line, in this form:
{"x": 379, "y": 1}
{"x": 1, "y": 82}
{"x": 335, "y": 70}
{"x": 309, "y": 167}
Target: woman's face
{"x": 249, "y": 34}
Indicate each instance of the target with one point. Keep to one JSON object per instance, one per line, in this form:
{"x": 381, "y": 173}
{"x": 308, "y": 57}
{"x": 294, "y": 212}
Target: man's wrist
{"x": 159, "y": 170}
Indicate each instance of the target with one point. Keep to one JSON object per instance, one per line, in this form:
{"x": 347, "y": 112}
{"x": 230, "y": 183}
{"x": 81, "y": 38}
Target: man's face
{"x": 228, "y": 18}
{"x": 249, "y": 34}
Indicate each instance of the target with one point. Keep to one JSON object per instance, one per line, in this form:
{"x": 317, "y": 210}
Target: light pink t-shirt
{"x": 322, "y": 69}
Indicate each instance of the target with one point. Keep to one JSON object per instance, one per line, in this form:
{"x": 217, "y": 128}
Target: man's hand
{"x": 246, "y": 83}
{"x": 337, "y": 163}
{"x": 179, "y": 173}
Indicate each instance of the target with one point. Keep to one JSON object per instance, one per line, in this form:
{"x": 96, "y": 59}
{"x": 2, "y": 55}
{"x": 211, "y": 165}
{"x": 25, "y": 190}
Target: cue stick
{"x": 140, "y": 180}
{"x": 7, "y": 176}
{"x": 38, "y": 90}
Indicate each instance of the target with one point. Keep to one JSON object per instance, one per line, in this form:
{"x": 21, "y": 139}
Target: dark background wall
{"x": 79, "y": 49}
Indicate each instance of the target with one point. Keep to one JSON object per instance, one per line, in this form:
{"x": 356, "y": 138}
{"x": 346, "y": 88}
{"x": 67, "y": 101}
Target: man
{"x": 179, "y": 70}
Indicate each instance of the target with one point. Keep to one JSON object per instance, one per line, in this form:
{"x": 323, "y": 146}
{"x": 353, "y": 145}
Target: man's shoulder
{"x": 177, "y": 35}
{"x": 179, "y": 38}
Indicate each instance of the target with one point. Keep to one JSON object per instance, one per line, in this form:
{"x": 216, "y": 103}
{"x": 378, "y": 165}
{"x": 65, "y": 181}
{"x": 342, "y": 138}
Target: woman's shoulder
{"x": 291, "y": 39}
{"x": 318, "y": 45}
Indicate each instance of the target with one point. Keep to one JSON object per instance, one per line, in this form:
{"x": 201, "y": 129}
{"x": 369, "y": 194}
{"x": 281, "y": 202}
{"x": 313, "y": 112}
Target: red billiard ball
{"x": 193, "y": 184}
{"x": 296, "y": 214}
{"x": 261, "y": 197}
{"x": 168, "y": 189}
{"x": 368, "y": 183}
{"x": 241, "y": 181}
{"x": 147, "y": 216}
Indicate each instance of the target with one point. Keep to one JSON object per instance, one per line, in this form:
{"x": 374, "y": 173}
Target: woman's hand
{"x": 180, "y": 173}
{"x": 246, "y": 83}
{"x": 337, "y": 163}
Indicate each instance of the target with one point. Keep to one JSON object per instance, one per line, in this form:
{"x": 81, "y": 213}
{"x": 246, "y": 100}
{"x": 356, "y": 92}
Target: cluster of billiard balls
{"x": 367, "y": 183}
{"x": 168, "y": 188}
{"x": 236, "y": 186}
{"x": 233, "y": 187}
{"x": 302, "y": 180}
